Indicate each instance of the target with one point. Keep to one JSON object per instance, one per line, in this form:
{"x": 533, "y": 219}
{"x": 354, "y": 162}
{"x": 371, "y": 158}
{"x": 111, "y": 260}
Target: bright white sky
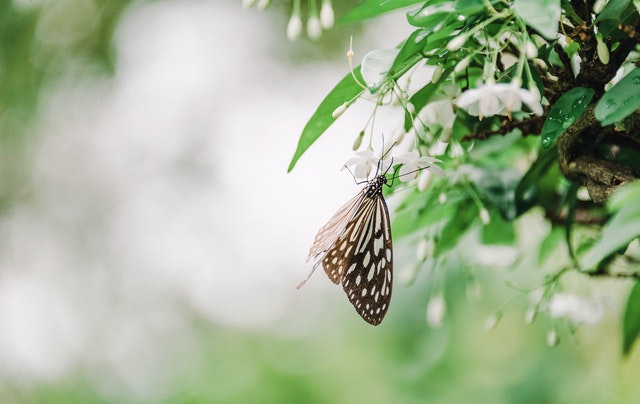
{"x": 165, "y": 187}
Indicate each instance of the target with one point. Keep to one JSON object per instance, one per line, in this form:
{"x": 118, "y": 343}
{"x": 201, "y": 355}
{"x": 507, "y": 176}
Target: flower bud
{"x": 436, "y": 310}
{"x": 456, "y": 43}
{"x": 530, "y": 50}
{"x": 462, "y": 65}
{"x": 339, "y": 111}
{"x": 314, "y": 28}
{"x": 437, "y": 73}
{"x": 599, "y": 5}
{"x": 602, "y": 49}
{"x": 294, "y": 27}
{"x": 530, "y": 315}
{"x": 358, "y": 142}
{"x": 552, "y": 338}
{"x": 327, "y": 18}
{"x": 492, "y": 321}
{"x": 484, "y": 216}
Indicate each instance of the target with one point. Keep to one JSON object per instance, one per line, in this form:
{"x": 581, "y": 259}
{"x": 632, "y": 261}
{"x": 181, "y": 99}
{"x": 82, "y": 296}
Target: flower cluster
{"x": 577, "y": 309}
{"x": 411, "y": 165}
{"x": 499, "y": 99}
{"x": 316, "y": 22}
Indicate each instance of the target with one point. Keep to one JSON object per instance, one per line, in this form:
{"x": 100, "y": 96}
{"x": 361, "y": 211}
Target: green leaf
{"x": 621, "y": 228}
{"x": 615, "y": 14}
{"x": 468, "y": 7}
{"x": 528, "y": 190}
{"x": 346, "y": 90}
{"x": 373, "y": 8}
{"x": 614, "y": 10}
{"x": 497, "y": 186}
{"x": 570, "y": 200}
{"x": 431, "y": 16}
{"x": 410, "y": 52}
{"x": 631, "y": 321}
{"x": 621, "y": 100}
{"x": 541, "y": 15}
{"x": 498, "y": 231}
{"x": 567, "y": 109}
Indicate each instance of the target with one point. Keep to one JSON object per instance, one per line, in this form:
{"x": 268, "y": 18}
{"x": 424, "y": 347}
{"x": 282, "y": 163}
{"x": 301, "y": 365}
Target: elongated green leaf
{"x": 623, "y": 226}
{"x": 431, "y": 17}
{"x": 614, "y": 14}
{"x": 344, "y": 91}
{"x": 564, "y": 113}
{"x": 527, "y": 191}
{"x": 621, "y": 100}
{"x": 614, "y": 10}
{"x": 373, "y": 8}
{"x": 541, "y": 15}
{"x": 468, "y": 7}
{"x": 631, "y": 321}
{"x": 410, "y": 52}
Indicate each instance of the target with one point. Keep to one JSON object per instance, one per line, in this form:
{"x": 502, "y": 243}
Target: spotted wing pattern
{"x": 359, "y": 255}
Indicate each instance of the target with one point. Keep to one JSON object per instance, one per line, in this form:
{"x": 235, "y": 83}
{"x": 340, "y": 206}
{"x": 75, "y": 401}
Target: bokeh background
{"x": 151, "y": 239}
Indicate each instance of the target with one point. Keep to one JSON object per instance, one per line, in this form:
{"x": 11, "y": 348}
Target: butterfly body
{"x": 355, "y": 250}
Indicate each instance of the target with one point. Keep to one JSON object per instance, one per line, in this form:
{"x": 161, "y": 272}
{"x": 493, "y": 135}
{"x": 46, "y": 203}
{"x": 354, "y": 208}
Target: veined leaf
{"x": 344, "y": 91}
{"x": 567, "y": 109}
{"x": 621, "y": 228}
{"x": 621, "y": 100}
{"x": 527, "y": 191}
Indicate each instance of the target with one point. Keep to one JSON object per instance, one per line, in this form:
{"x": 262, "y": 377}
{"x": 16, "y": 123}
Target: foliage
{"x": 498, "y": 76}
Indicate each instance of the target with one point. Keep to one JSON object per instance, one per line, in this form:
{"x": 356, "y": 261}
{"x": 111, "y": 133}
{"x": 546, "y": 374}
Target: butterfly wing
{"x": 355, "y": 249}
{"x": 329, "y": 234}
{"x": 368, "y": 265}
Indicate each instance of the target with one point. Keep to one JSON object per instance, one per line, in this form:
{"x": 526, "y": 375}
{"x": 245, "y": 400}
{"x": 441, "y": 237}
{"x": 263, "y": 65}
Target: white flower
{"x": 363, "y": 163}
{"x": 498, "y": 98}
{"x": 314, "y": 28}
{"x": 327, "y": 18}
{"x": 482, "y": 101}
{"x": 552, "y": 338}
{"x": 412, "y": 163}
{"x": 436, "y": 310}
{"x": 577, "y": 309}
{"x": 440, "y": 112}
{"x": 512, "y": 95}
{"x": 294, "y": 27}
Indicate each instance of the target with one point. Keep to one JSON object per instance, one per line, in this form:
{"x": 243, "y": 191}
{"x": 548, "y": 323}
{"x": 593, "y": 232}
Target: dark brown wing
{"x": 367, "y": 260}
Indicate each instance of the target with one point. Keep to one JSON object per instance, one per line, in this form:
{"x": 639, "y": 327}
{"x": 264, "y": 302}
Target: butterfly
{"x": 355, "y": 250}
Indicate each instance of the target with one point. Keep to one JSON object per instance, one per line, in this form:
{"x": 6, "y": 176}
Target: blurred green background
{"x": 150, "y": 240}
